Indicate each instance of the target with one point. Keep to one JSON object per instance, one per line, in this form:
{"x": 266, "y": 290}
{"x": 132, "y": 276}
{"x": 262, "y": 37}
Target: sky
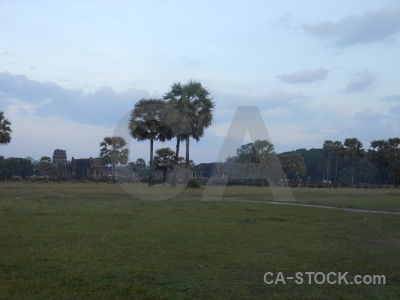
{"x": 71, "y": 71}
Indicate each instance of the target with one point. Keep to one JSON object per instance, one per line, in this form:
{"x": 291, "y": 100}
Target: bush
{"x": 193, "y": 184}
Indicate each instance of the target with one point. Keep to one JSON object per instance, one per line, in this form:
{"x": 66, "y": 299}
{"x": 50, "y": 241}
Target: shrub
{"x": 193, "y": 184}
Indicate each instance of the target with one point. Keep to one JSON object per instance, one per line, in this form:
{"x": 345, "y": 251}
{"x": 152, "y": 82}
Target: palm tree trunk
{"x": 164, "y": 176}
{"x": 336, "y": 167}
{"x": 187, "y": 159}
{"x": 329, "y": 167}
{"x": 151, "y": 163}
{"x": 176, "y": 159}
{"x": 352, "y": 172}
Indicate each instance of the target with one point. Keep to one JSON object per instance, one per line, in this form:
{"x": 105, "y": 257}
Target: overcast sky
{"x": 316, "y": 70}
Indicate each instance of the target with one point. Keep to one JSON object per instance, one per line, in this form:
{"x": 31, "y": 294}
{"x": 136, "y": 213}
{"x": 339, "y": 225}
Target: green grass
{"x": 74, "y": 241}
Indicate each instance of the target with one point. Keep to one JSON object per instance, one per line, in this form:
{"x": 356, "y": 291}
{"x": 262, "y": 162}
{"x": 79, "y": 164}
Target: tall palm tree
{"x": 337, "y": 150}
{"x": 352, "y": 148}
{"x": 378, "y": 155}
{"x": 5, "y": 129}
{"x": 195, "y": 106}
{"x": 394, "y": 154}
{"x": 114, "y": 151}
{"x": 146, "y": 123}
{"x": 329, "y": 149}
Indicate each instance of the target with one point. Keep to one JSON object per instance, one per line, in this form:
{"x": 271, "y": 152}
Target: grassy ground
{"x": 77, "y": 241}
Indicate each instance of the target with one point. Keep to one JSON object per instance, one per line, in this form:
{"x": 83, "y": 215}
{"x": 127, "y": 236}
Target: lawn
{"x": 74, "y": 241}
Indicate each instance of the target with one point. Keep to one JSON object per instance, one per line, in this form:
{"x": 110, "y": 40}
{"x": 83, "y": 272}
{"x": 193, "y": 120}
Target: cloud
{"x": 391, "y": 98}
{"x": 283, "y": 22}
{"x": 47, "y": 99}
{"x": 395, "y": 110}
{"x": 358, "y": 29}
{"x": 276, "y": 101}
{"x": 38, "y": 136}
{"x": 305, "y": 76}
{"x": 361, "y": 81}
{"x": 19, "y": 107}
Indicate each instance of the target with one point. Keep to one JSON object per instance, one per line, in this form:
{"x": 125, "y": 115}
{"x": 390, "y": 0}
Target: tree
{"x": 379, "y": 155}
{"x": 337, "y": 150}
{"x": 130, "y": 169}
{"x": 15, "y": 166}
{"x": 293, "y": 163}
{"x": 46, "y": 168}
{"x": 195, "y": 106}
{"x": 329, "y": 149}
{"x": 113, "y": 151}
{"x": 255, "y": 157}
{"x": 140, "y": 163}
{"x": 164, "y": 161}
{"x": 146, "y": 123}
{"x": 5, "y": 129}
{"x": 264, "y": 150}
{"x": 352, "y": 148}
{"x": 394, "y": 156}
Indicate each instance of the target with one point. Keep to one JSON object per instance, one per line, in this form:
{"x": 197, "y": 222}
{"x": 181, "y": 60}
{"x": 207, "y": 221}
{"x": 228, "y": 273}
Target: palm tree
{"x": 146, "y": 123}
{"x": 293, "y": 163}
{"x": 352, "y": 148}
{"x": 394, "y": 154}
{"x": 263, "y": 150}
{"x": 5, "y": 129}
{"x": 114, "y": 151}
{"x": 195, "y": 106}
{"x": 378, "y": 155}
{"x": 337, "y": 150}
{"x": 329, "y": 149}
{"x": 164, "y": 161}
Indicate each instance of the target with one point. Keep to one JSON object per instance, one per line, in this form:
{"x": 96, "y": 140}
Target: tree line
{"x": 349, "y": 162}
{"x": 184, "y": 113}
{"x": 344, "y": 162}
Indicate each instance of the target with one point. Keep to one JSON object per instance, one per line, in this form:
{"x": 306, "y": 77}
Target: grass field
{"x": 74, "y": 241}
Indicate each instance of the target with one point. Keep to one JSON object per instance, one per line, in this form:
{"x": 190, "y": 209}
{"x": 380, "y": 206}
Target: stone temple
{"x": 60, "y": 157}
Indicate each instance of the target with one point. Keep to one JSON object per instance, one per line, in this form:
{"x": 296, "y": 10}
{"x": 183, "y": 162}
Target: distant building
{"x": 88, "y": 168}
{"x": 206, "y": 170}
{"x": 60, "y": 157}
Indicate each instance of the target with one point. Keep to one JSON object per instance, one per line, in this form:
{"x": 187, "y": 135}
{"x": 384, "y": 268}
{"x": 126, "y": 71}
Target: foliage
{"x": 293, "y": 164}
{"x": 379, "y": 155}
{"x": 46, "y": 168}
{"x": 113, "y": 151}
{"x": 5, "y": 129}
{"x": 140, "y": 164}
{"x": 149, "y": 122}
{"x": 164, "y": 161}
{"x": 394, "y": 158}
{"x": 13, "y": 166}
{"x": 352, "y": 148}
{"x": 251, "y": 161}
{"x": 193, "y": 184}
{"x": 329, "y": 150}
{"x": 195, "y": 106}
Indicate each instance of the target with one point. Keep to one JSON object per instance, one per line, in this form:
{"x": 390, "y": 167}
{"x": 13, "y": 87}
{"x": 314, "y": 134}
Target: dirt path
{"x": 327, "y": 207}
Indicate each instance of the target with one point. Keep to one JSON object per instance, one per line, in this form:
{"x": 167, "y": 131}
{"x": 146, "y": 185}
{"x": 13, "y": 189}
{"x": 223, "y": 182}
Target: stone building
{"x": 60, "y": 159}
{"x": 88, "y": 168}
{"x": 60, "y": 156}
